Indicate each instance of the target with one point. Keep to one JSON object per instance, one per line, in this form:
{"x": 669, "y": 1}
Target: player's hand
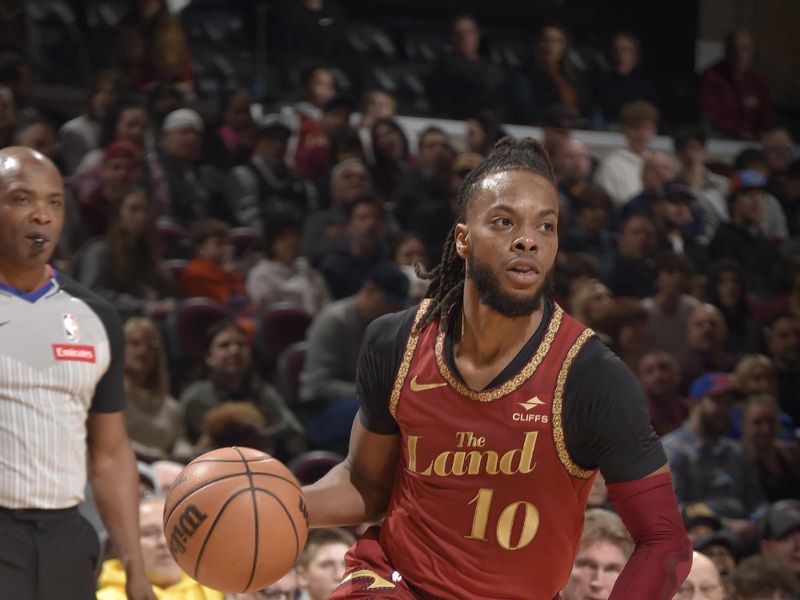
{"x": 137, "y": 587}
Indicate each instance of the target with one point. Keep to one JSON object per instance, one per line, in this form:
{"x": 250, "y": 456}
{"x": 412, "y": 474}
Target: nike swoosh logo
{"x": 376, "y": 582}
{"x": 421, "y": 387}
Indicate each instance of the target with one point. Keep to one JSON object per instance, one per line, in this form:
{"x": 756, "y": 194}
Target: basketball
{"x": 235, "y": 520}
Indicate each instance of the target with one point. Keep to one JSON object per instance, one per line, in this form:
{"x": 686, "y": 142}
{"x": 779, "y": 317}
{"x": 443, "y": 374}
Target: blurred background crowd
{"x": 251, "y": 184}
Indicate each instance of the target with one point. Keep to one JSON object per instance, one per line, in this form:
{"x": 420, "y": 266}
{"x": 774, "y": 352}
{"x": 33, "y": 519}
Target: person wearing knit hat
{"x": 182, "y": 118}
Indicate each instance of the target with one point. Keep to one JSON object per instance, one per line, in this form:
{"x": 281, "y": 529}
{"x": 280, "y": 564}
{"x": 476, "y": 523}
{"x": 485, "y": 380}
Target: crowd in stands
{"x": 247, "y": 248}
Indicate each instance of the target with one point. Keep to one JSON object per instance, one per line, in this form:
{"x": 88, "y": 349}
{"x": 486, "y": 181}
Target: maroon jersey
{"x": 487, "y": 502}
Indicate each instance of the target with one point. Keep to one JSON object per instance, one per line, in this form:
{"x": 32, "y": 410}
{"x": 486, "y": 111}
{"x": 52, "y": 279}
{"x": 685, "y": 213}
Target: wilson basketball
{"x": 235, "y": 520}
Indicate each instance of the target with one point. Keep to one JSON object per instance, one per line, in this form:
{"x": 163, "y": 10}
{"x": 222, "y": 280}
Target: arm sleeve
{"x": 378, "y": 362}
{"x": 663, "y": 554}
{"x": 605, "y": 415}
{"x": 109, "y": 393}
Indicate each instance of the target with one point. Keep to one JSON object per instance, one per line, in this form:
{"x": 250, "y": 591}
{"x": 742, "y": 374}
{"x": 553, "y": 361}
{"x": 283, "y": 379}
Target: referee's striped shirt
{"x": 61, "y": 356}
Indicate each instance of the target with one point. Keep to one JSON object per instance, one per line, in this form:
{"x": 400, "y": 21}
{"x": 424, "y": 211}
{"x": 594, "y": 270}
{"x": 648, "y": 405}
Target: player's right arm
{"x": 358, "y": 489}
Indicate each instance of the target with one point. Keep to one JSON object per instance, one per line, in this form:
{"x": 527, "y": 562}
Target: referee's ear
{"x": 462, "y": 240}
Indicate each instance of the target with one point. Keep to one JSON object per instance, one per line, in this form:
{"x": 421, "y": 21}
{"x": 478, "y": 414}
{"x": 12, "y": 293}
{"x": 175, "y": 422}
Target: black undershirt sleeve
{"x": 109, "y": 394}
{"x": 378, "y": 362}
{"x": 606, "y": 424}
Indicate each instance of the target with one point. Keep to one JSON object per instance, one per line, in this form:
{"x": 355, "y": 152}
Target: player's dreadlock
{"x": 447, "y": 278}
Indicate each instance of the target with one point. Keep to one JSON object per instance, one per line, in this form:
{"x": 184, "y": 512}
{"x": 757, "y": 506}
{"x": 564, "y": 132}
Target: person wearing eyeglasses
{"x": 703, "y": 582}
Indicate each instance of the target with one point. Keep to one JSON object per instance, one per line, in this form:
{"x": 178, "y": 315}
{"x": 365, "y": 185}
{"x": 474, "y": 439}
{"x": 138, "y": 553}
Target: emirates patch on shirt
{"x": 76, "y": 352}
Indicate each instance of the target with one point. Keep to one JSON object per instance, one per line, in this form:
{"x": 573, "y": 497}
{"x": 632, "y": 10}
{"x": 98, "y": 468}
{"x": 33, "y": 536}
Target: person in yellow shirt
{"x": 169, "y": 582}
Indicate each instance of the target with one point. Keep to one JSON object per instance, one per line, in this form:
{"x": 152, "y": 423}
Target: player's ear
{"x": 461, "y": 236}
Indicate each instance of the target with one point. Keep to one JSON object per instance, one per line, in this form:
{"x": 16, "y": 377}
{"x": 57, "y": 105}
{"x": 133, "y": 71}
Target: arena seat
{"x": 368, "y": 39}
{"x": 277, "y": 327}
{"x": 244, "y": 240}
{"x": 290, "y": 364}
{"x": 313, "y": 465}
{"x": 188, "y": 324}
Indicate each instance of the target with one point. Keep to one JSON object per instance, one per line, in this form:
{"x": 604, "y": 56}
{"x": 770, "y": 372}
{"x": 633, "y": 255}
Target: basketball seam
{"x": 211, "y": 530}
{"x": 222, "y": 478}
{"x": 255, "y": 514}
{"x": 228, "y": 460}
{"x": 289, "y": 516}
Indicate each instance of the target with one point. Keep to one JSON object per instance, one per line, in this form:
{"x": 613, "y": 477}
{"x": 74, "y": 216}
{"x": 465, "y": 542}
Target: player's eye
{"x": 503, "y": 222}
{"x": 548, "y": 227}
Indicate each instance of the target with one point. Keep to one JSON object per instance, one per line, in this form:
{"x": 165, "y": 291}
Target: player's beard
{"x": 490, "y": 293}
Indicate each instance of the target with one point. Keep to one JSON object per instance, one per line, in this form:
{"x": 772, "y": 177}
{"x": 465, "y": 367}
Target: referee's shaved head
{"x": 31, "y": 211}
{"x": 13, "y": 158}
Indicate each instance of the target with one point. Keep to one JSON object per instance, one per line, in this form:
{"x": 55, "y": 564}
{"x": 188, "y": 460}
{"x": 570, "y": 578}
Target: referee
{"x": 61, "y": 401}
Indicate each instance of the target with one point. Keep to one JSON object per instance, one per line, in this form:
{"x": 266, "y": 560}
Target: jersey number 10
{"x": 480, "y": 521}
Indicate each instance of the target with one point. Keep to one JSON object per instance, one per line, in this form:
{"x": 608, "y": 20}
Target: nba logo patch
{"x": 71, "y": 327}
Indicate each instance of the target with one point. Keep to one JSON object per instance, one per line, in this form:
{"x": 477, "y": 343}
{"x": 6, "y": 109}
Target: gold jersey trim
{"x": 512, "y": 384}
{"x": 558, "y": 404}
{"x": 408, "y": 354}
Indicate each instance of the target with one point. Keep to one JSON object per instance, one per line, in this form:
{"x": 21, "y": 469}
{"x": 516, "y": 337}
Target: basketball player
{"x": 61, "y": 401}
{"x": 485, "y": 413}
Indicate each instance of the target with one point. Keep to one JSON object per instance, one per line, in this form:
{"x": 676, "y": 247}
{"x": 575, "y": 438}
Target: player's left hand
{"x": 137, "y": 587}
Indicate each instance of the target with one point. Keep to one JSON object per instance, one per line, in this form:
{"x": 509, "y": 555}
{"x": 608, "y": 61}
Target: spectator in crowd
{"x": 791, "y": 199}
{"x": 230, "y": 141}
{"x": 8, "y": 117}
{"x": 778, "y": 153}
{"x": 669, "y": 309}
{"x": 630, "y": 270}
{"x": 212, "y": 272}
{"x": 376, "y": 104}
{"x": 318, "y": 87}
{"x": 741, "y": 239}
{"x": 677, "y": 226}
{"x": 557, "y": 123}
{"x": 484, "y": 130}
{"x": 573, "y": 164}
{"x": 736, "y": 98}
{"x": 81, "y": 134}
{"x": 284, "y": 589}
{"x": 706, "y": 339}
{"x": 15, "y": 74}
{"x": 231, "y": 378}
{"x": 150, "y": 46}
{"x": 168, "y": 580}
{"x": 706, "y": 465}
{"x": 552, "y": 78}
{"x": 760, "y": 577}
{"x": 592, "y": 303}
{"x": 266, "y": 181}
{"x": 328, "y": 140}
{"x": 604, "y": 549}
{"x": 756, "y": 374}
{"x": 710, "y": 188}
{"x": 409, "y": 250}
{"x": 657, "y": 171}
{"x": 193, "y": 188}
{"x": 780, "y": 534}
{"x": 152, "y": 415}
{"x": 783, "y": 344}
{"x": 162, "y": 99}
{"x": 428, "y": 183}
{"x": 123, "y": 266}
{"x": 777, "y": 461}
{"x": 310, "y": 28}
{"x": 323, "y": 230}
{"x": 235, "y": 423}
{"x": 322, "y": 563}
{"x": 728, "y": 292}
{"x": 703, "y": 581}
{"x": 701, "y": 520}
{"x": 620, "y": 172}
{"x": 363, "y": 246}
{"x": 390, "y": 156}
{"x": 94, "y": 200}
{"x": 773, "y": 219}
{"x": 464, "y": 81}
{"x": 283, "y": 275}
{"x": 36, "y": 132}
{"x": 722, "y": 547}
{"x": 125, "y": 121}
{"x": 625, "y": 82}
{"x": 626, "y": 324}
{"x": 590, "y": 233}
{"x": 327, "y": 381}
{"x": 660, "y": 377}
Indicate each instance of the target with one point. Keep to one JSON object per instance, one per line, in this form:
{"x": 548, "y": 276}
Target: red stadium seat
{"x": 244, "y": 240}
{"x": 175, "y": 267}
{"x": 189, "y": 323}
{"x": 290, "y": 364}
{"x": 173, "y": 240}
{"x": 277, "y": 327}
{"x": 312, "y": 466}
